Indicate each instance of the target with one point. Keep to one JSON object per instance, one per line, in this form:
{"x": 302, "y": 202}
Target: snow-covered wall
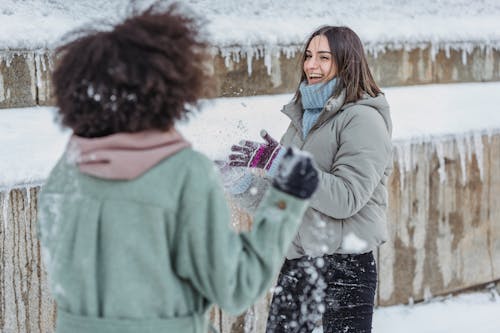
{"x": 443, "y": 238}
{"x": 252, "y": 27}
{"x": 256, "y": 44}
{"x": 427, "y": 41}
{"x": 25, "y": 75}
{"x": 443, "y": 220}
{"x": 31, "y": 141}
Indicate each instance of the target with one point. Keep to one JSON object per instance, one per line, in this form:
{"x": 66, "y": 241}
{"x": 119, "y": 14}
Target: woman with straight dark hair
{"x": 341, "y": 117}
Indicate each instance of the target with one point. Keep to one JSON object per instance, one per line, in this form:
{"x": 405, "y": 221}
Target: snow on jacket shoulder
{"x": 153, "y": 253}
{"x": 351, "y": 145}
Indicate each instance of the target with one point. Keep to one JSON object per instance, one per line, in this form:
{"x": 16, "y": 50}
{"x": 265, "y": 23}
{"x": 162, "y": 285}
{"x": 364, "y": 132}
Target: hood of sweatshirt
{"x": 123, "y": 156}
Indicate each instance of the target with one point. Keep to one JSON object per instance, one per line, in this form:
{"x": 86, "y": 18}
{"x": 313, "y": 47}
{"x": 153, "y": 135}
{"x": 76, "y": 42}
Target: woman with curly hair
{"x": 133, "y": 223}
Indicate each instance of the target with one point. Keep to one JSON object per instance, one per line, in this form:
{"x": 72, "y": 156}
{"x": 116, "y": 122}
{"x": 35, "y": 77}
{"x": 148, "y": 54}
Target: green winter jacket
{"x": 152, "y": 254}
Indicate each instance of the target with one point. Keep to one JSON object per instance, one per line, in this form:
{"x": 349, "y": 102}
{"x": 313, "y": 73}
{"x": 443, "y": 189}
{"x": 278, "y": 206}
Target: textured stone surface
{"x": 443, "y": 233}
{"x": 25, "y": 303}
{"x": 44, "y": 67}
{"x": 456, "y": 66}
{"x": 493, "y": 213}
{"x": 25, "y": 75}
{"x": 390, "y": 68}
{"x": 17, "y": 79}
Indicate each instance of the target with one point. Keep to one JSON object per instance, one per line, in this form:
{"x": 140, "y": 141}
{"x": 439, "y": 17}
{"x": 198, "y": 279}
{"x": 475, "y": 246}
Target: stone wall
{"x": 445, "y": 234}
{"x": 25, "y": 303}
{"x": 24, "y": 75}
{"x": 444, "y": 224}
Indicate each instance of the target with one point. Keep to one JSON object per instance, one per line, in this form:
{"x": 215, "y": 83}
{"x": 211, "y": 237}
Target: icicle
{"x": 447, "y": 51}
{"x": 26, "y": 210}
{"x": 38, "y": 69}
{"x": 259, "y": 52}
{"x": 440, "y": 151}
{"x": 8, "y": 56}
{"x": 42, "y": 60}
{"x": 464, "y": 57}
{"x": 434, "y": 52}
{"x": 5, "y": 211}
{"x": 226, "y": 54}
{"x": 405, "y": 156}
{"x": 405, "y": 160}
{"x": 2, "y": 89}
{"x": 28, "y": 197}
{"x": 489, "y": 50}
{"x": 470, "y": 146}
{"x": 427, "y": 294}
{"x": 50, "y": 57}
{"x": 478, "y": 148}
{"x": 289, "y": 51}
{"x": 249, "y": 61}
{"x": 268, "y": 61}
{"x": 461, "y": 142}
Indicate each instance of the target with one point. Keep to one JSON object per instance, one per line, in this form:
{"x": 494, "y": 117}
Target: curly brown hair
{"x": 143, "y": 74}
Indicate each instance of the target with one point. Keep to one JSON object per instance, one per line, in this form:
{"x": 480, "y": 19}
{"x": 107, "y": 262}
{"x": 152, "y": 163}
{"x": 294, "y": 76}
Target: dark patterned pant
{"x": 336, "y": 290}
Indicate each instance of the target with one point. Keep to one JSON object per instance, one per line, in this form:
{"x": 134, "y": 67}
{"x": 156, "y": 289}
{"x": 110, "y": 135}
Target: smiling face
{"x": 318, "y": 64}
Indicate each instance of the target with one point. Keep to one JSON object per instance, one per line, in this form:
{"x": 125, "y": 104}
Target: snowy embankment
{"x": 475, "y": 312}
{"x": 260, "y": 28}
{"x": 31, "y": 142}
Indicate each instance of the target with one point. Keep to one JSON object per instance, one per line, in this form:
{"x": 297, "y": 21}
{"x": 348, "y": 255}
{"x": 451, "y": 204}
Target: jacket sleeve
{"x": 249, "y": 199}
{"x": 363, "y": 154}
{"x": 229, "y": 269}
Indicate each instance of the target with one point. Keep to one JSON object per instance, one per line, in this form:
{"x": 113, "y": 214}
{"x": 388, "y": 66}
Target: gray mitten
{"x": 296, "y": 174}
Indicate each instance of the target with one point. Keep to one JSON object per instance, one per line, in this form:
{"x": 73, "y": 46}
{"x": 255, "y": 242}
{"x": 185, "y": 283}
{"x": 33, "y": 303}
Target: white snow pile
{"x": 474, "y": 312}
{"x": 31, "y": 142}
{"x": 260, "y": 26}
{"x": 471, "y": 312}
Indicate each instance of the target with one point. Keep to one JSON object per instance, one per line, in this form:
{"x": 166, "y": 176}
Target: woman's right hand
{"x": 255, "y": 154}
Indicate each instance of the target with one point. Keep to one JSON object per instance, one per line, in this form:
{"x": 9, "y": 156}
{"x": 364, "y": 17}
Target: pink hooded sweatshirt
{"x": 124, "y": 156}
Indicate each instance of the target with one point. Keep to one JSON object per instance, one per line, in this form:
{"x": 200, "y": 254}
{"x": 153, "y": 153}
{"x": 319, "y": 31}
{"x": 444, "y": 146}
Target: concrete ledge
{"x": 25, "y": 75}
{"x": 444, "y": 234}
{"x": 443, "y": 223}
{"x": 390, "y": 68}
{"x": 17, "y": 79}
{"x": 25, "y": 303}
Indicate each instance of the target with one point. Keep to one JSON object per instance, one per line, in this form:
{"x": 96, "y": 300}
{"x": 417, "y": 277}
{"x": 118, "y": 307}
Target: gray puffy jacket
{"x": 351, "y": 145}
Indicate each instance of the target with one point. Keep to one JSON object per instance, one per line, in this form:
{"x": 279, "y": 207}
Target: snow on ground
{"x": 31, "y": 142}
{"x": 475, "y": 312}
{"x": 38, "y": 24}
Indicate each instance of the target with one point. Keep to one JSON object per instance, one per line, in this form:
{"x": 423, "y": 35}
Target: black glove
{"x": 296, "y": 174}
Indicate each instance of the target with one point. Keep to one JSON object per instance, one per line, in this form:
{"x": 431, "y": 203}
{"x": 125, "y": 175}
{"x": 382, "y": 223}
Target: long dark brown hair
{"x": 353, "y": 73}
{"x": 139, "y": 75}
